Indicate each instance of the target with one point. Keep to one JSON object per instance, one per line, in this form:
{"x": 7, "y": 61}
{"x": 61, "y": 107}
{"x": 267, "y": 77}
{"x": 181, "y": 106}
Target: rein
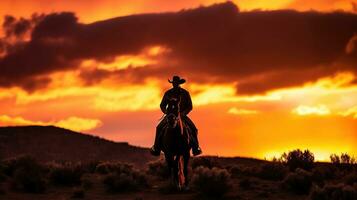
{"x": 179, "y": 116}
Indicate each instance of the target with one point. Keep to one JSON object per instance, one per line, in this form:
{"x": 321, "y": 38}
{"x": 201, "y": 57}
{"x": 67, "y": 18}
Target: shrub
{"x": 78, "y": 193}
{"x": 28, "y": 175}
{"x": 344, "y": 161}
{"x": 11, "y": 165}
{"x": 86, "y": 183}
{"x": 213, "y": 183}
{"x": 322, "y": 173}
{"x": 110, "y": 167}
{"x": 2, "y": 177}
{"x": 298, "y": 182}
{"x": 335, "y": 159}
{"x": 66, "y": 175}
{"x": 347, "y": 159}
{"x": 8, "y": 167}
{"x": 236, "y": 171}
{"x": 272, "y": 171}
{"x": 333, "y": 192}
{"x": 245, "y": 183}
{"x": 351, "y": 178}
{"x": 2, "y": 190}
{"x": 241, "y": 171}
{"x": 299, "y": 159}
{"x": 204, "y": 162}
{"x": 2, "y": 172}
{"x": 90, "y": 167}
{"x": 125, "y": 181}
{"x": 158, "y": 168}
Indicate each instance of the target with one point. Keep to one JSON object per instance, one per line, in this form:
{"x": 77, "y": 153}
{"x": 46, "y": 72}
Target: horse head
{"x": 173, "y": 112}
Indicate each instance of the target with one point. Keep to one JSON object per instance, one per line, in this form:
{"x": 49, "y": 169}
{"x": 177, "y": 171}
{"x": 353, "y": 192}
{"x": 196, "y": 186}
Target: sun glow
{"x": 237, "y": 111}
{"x": 312, "y": 110}
{"x": 73, "y": 123}
{"x": 148, "y": 56}
{"x": 350, "y": 112}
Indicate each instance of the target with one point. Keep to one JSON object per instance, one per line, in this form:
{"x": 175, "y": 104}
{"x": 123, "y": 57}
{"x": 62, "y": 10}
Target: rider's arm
{"x": 188, "y": 104}
{"x": 163, "y": 103}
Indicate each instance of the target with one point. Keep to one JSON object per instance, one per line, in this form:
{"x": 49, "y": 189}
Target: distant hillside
{"x": 48, "y": 143}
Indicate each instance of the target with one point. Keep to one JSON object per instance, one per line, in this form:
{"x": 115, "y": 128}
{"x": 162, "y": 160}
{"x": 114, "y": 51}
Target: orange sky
{"x": 318, "y": 112}
{"x": 94, "y": 10}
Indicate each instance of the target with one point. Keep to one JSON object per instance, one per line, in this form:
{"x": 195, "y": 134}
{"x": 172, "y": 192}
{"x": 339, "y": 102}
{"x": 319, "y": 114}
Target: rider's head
{"x": 177, "y": 81}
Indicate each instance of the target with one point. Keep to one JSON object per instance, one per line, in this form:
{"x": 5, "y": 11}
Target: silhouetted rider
{"x": 185, "y": 107}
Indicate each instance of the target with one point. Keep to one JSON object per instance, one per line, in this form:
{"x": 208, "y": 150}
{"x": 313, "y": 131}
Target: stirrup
{"x": 154, "y": 151}
{"x": 196, "y": 151}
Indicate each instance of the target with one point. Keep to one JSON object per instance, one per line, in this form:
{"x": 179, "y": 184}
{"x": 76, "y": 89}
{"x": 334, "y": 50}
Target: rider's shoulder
{"x": 184, "y": 91}
{"x": 169, "y": 91}
{"x": 173, "y": 91}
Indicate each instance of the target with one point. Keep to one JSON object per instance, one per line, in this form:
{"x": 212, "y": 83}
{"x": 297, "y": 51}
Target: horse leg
{"x": 186, "y": 158}
{"x": 170, "y": 164}
{"x": 170, "y": 160}
{"x": 176, "y": 171}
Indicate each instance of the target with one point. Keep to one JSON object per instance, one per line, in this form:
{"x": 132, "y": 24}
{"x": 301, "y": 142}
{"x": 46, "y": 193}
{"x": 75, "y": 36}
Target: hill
{"x": 48, "y": 143}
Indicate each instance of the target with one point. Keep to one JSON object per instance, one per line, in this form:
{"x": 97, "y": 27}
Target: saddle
{"x": 185, "y": 127}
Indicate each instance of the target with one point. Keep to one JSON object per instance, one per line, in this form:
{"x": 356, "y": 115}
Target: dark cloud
{"x": 354, "y": 6}
{"x": 261, "y": 50}
{"x": 17, "y": 28}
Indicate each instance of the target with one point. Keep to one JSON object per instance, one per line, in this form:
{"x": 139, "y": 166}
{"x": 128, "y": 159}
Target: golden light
{"x": 350, "y": 112}
{"x": 78, "y": 124}
{"x": 236, "y": 111}
{"x": 148, "y": 56}
{"x": 263, "y": 4}
{"x": 220, "y": 93}
{"x": 72, "y": 123}
{"x": 128, "y": 98}
{"x": 312, "y": 110}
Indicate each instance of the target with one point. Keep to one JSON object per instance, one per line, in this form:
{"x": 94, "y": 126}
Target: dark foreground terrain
{"x": 54, "y": 163}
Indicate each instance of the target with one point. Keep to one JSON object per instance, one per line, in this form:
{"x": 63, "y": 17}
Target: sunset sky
{"x": 265, "y": 76}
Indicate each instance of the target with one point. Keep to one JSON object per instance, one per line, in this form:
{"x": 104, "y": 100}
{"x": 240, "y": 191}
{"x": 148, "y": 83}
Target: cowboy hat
{"x": 177, "y": 79}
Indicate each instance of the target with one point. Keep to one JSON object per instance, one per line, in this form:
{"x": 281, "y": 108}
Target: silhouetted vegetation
{"x": 78, "y": 193}
{"x": 298, "y": 182}
{"x": 210, "y": 177}
{"x": 213, "y": 183}
{"x": 66, "y": 175}
{"x": 344, "y": 158}
{"x": 27, "y": 175}
{"x": 351, "y": 178}
{"x": 323, "y": 173}
{"x": 299, "y": 159}
{"x": 245, "y": 183}
{"x": 272, "y": 171}
{"x": 203, "y": 162}
{"x": 343, "y": 161}
{"x": 86, "y": 183}
{"x": 90, "y": 166}
{"x": 334, "y": 192}
{"x": 110, "y": 167}
{"x": 235, "y": 171}
{"x": 2, "y": 172}
{"x": 158, "y": 168}
{"x": 241, "y": 171}
{"x": 2, "y": 190}
{"x": 125, "y": 180}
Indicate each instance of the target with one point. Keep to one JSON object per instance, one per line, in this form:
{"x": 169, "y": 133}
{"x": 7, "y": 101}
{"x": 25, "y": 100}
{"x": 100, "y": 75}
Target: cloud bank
{"x": 256, "y": 50}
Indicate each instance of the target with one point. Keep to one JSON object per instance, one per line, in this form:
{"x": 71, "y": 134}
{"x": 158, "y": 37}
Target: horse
{"x": 175, "y": 145}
